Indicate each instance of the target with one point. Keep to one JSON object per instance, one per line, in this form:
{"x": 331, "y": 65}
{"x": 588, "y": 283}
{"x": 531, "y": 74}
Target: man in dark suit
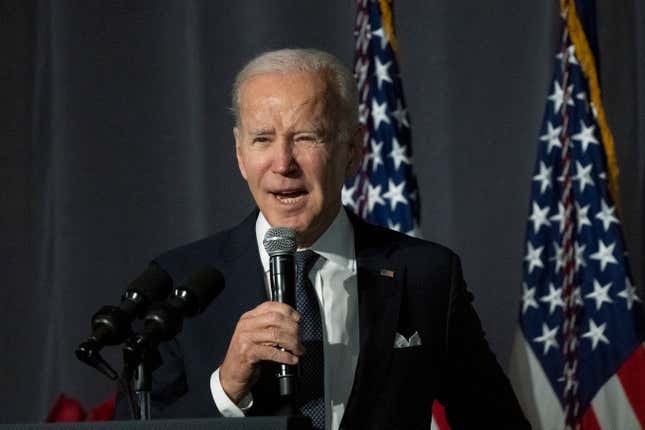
{"x": 395, "y": 324}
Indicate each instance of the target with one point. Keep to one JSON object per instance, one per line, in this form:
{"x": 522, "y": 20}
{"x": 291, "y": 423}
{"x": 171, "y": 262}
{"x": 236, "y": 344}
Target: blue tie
{"x": 310, "y": 397}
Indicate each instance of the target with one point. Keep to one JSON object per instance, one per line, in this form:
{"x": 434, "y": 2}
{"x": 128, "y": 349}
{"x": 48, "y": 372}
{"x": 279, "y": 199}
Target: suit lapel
{"x": 380, "y": 280}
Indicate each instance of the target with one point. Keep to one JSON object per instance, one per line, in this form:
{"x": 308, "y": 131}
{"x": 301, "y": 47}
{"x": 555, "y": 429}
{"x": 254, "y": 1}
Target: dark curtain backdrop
{"x": 116, "y": 144}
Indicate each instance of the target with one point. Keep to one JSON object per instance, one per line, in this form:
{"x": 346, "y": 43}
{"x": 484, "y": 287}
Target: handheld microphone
{"x": 280, "y": 244}
{"x": 111, "y": 324}
{"x": 165, "y": 320}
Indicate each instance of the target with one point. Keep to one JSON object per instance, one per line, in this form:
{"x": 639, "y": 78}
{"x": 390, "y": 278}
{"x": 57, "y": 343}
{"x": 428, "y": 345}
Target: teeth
{"x": 287, "y": 199}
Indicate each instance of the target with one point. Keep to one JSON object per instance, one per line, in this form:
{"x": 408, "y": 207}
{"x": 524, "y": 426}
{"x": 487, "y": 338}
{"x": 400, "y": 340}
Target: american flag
{"x": 384, "y": 191}
{"x": 578, "y": 361}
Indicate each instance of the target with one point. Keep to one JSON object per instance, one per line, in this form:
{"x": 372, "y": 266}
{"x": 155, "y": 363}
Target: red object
{"x": 104, "y": 411}
{"x": 439, "y": 416}
{"x": 67, "y": 409}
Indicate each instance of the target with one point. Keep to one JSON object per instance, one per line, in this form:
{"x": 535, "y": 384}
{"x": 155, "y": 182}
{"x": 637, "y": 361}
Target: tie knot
{"x": 305, "y": 260}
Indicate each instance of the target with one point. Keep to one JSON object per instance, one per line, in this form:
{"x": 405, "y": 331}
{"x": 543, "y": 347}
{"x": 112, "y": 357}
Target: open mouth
{"x": 290, "y": 197}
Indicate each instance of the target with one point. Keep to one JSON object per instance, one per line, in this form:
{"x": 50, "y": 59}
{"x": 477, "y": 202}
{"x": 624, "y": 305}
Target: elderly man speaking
{"x": 383, "y": 324}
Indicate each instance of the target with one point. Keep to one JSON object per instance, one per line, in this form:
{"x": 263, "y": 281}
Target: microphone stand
{"x": 140, "y": 362}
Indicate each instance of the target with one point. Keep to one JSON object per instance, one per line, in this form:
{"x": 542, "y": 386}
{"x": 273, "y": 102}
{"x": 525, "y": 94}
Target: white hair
{"x": 311, "y": 61}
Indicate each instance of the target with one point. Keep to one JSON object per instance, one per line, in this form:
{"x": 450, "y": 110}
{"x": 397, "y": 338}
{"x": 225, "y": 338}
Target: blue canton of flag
{"x": 384, "y": 191}
{"x": 580, "y": 313}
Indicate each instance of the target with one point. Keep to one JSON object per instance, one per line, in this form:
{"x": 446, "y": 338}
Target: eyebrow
{"x": 262, "y": 131}
{"x": 317, "y": 128}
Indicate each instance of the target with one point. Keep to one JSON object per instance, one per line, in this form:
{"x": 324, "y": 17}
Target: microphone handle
{"x": 283, "y": 290}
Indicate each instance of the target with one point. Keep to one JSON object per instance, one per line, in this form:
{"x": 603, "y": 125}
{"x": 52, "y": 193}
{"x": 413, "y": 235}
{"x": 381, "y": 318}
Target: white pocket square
{"x": 401, "y": 342}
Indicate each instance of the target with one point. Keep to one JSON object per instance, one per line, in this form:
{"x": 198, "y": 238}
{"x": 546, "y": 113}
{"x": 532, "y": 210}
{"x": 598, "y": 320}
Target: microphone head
{"x": 199, "y": 290}
{"x": 151, "y": 286}
{"x": 280, "y": 241}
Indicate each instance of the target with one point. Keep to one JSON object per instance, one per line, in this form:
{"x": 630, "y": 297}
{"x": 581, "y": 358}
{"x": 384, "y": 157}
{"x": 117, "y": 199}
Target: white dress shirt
{"x": 334, "y": 278}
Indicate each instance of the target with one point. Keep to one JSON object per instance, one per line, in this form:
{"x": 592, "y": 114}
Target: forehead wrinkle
{"x": 273, "y": 113}
{"x": 315, "y": 113}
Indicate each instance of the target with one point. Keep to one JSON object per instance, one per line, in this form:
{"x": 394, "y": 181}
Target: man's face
{"x": 289, "y": 153}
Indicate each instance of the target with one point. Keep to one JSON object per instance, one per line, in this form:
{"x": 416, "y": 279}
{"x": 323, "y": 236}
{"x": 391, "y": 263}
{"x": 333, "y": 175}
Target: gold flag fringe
{"x": 388, "y": 25}
{"x": 588, "y": 63}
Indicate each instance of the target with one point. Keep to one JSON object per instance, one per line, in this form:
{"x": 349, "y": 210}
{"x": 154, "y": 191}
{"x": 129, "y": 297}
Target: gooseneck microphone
{"x": 111, "y": 324}
{"x": 280, "y": 244}
{"x": 165, "y": 320}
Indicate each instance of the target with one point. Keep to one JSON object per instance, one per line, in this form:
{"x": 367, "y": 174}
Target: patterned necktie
{"x": 310, "y": 397}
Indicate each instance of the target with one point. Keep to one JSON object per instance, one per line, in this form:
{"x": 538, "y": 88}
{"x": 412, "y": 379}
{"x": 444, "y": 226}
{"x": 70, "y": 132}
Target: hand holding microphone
{"x": 270, "y": 332}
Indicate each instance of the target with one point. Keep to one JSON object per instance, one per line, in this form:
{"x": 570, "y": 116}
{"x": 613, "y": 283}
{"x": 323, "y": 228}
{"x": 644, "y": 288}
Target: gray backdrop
{"x": 116, "y": 144}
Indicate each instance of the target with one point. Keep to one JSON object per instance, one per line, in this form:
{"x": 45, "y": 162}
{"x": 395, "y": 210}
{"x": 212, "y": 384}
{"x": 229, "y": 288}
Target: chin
{"x": 295, "y": 222}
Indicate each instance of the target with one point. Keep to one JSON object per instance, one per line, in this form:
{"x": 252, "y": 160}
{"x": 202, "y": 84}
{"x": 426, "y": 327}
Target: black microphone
{"x": 111, "y": 324}
{"x": 165, "y": 320}
{"x": 280, "y": 244}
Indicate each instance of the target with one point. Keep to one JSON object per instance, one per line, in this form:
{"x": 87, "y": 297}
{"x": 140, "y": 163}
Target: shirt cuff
{"x": 224, "y": 404}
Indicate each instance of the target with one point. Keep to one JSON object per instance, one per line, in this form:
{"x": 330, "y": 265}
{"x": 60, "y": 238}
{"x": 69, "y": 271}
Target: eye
{"x": 306, "y": 138}
{"x": 261, "y": 139}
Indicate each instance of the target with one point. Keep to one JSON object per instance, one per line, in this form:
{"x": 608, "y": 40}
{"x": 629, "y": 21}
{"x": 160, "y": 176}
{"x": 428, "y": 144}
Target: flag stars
{"x": 629, "y": 294}
{"x": 596, "y": 334}
{"x": 558, "y": 256}
{"x": 600, "y": 294}
{"x": 378, "y": 113}
{"x": 583, "y": 98}
{"x": 570, "y": 54}
{"x": 580, "y": 255}
{"x": 395, "y": 194}
{"x": 554, "y": 298}
{"x": 560, "y": 216}
{"x": 585, "y": 136}
{"x": 381, "y": 72}
{"x": 375, "y": 155}
{"x": 558, "y": 96}
{"x": 539, "y": 217}
{"x": 533, "y": 256}
{"x": 606, "y": 215}
{"x": 583, "y": 174}
{"x": 583, "y": 218}
{"x": 528, "y": 298}
{"x": 544, "y": 177}
{"x": 547, "y": 338}
{"x": 398, "y": 154}
{"x": 605, "y": 254}
{"x": 374, "y": 197}
{"x": 347, "y": 197}
{"x": 552, "y": 136}
{"x": 576, "y": 297}
{"x": 401, "y": 115}
{"x": 393, "y": 226}
{"x": 382, "y": 37}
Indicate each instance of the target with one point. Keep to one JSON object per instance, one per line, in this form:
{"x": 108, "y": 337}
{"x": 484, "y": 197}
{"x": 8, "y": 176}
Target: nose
{"x": 284, "y": 162}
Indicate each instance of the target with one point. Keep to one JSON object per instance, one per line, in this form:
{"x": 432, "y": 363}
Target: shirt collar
{"x": 336, "y": 244}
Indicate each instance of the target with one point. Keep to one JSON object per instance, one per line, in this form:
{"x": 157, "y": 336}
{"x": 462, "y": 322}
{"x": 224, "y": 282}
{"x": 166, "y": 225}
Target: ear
{"x": 355, "y": 152}
{"x": 238, "y": 151}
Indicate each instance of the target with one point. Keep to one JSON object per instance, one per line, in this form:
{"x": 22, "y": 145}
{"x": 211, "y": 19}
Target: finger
{"x": 278, "y": 337}
{"x": 269, "y": 353}
{"x": 281, "y": 308}
{"x": 266, "y": 320}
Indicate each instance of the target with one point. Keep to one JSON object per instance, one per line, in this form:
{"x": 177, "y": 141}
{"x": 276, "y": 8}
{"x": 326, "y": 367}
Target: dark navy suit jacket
{"x": 393, "y": 388}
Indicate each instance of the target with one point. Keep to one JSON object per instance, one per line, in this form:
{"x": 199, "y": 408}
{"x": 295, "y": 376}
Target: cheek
{"x": 330, "y": 179}
{"x": 255, "y": 169}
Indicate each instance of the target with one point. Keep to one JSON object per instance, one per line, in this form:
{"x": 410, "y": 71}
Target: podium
{"x": 249, "y": 423}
